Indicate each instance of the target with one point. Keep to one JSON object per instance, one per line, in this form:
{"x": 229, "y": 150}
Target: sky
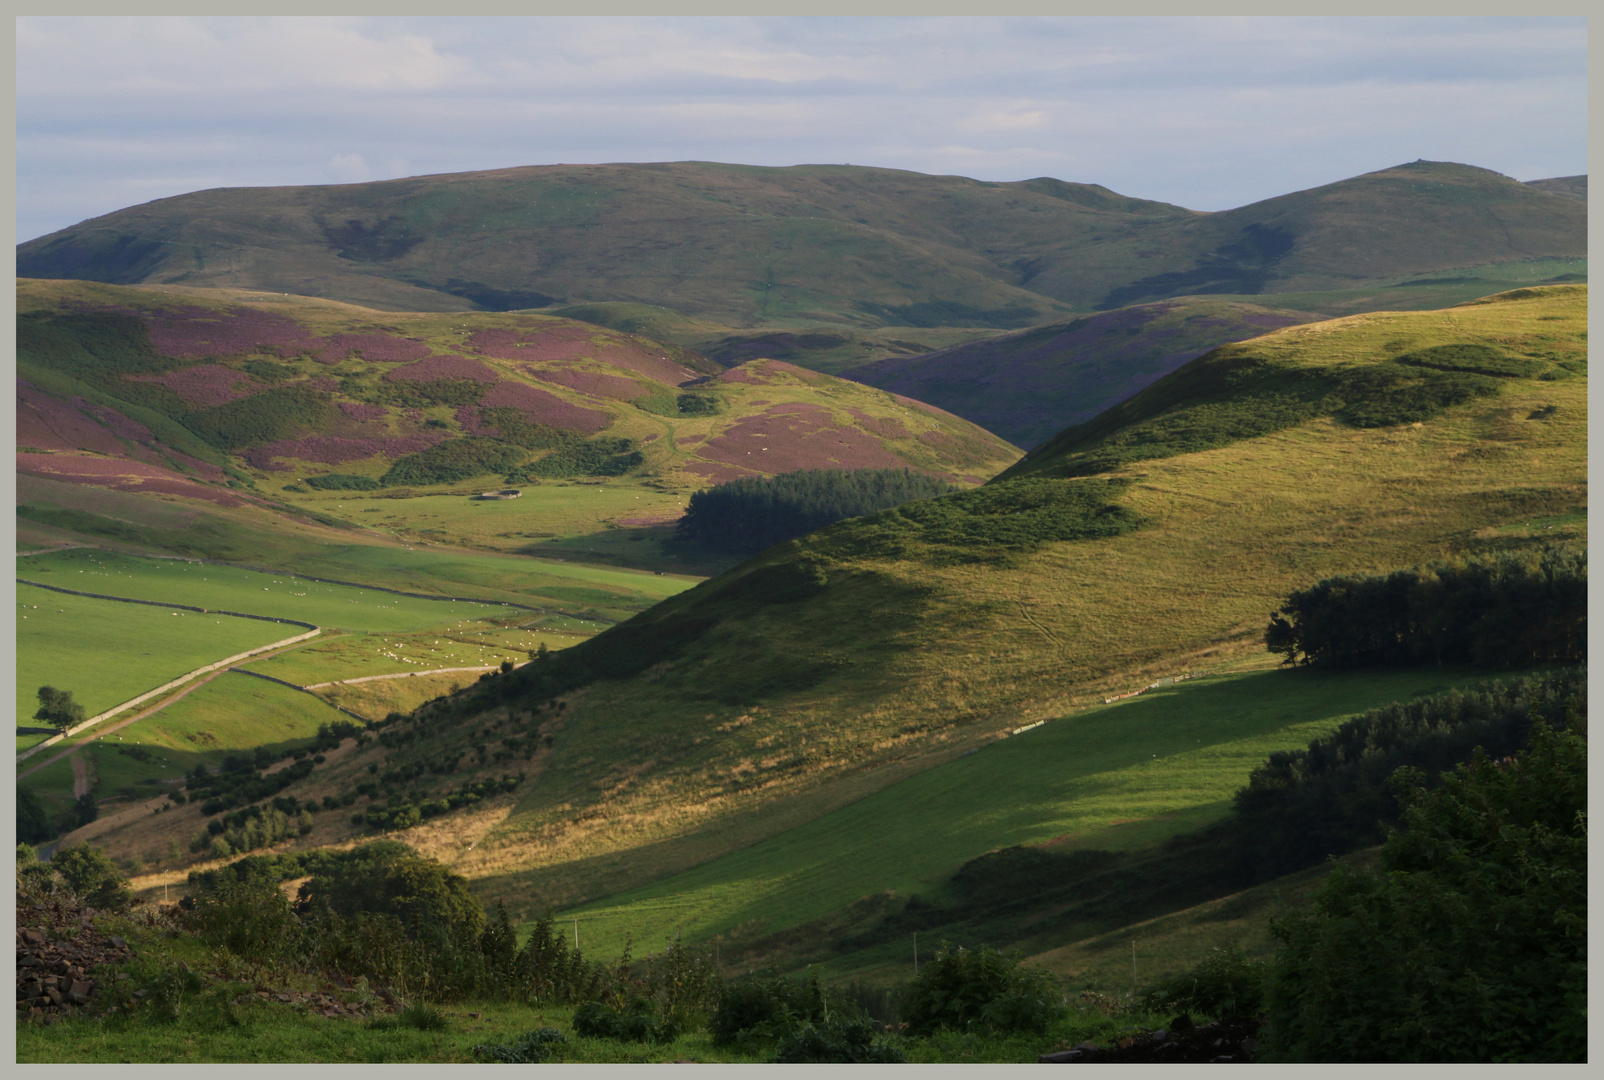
{"x": 1206, "y": 112}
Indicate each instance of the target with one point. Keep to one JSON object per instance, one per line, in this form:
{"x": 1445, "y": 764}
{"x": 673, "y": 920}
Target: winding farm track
{"x": 193, "y": 686}
{"x": 211, "y": 671}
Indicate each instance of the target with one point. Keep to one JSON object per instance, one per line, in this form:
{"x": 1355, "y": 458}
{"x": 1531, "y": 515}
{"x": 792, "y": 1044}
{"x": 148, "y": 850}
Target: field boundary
{"x": 359, "y": 585}
{"x": 159, "y": 603}
{"x": 394, "y": 675}
{"x": 162, "y": 689}
{"x": 304, "y": 690}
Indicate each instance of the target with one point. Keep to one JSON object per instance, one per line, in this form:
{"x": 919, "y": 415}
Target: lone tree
{"x": 57, "y": 708}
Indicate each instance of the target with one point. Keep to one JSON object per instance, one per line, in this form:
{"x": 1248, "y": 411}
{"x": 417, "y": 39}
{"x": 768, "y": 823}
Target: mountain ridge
{"x": 852, "y": 246}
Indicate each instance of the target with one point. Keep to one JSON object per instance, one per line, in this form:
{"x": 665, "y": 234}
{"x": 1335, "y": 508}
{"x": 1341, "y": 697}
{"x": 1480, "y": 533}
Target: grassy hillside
{"x": 1112, "y": 777}
{"x": 804, "y": 682}
{"x": 1028, "y": 385}
{"x": 782, "y": 248}
{"x": 830, "y": 667}
{"x": 190, "y": 394}
{"x": 1572, "y": 187}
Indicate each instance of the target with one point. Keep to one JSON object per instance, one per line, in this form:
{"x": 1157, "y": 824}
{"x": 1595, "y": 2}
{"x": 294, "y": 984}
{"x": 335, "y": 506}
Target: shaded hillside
{"x": 829, "y": 667}
{"x": 1027, "y": 385}
{"x": 160, "y": 391}
{"x": 813, "y": 244}
{"x": 1571, "y": 187}
{"x": 1410, "y": 219}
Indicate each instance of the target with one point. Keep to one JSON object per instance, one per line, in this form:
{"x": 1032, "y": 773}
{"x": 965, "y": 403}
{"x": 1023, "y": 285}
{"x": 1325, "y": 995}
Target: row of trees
{"x": 1508, "y": 610}
{"x": 751, "y": 514}
{"x": 1337, "y": 795}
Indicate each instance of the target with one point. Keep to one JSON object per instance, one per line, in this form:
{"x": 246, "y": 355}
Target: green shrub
{"x": 1385, "y": 396}
{"x": 452, "y": 461}
{"x": 91, "y": 875}
{"x": 1226, "y": 983}
{"x": 994, "y": 523}
{"x": 422, "y": 1017}
{"x": 269, "y": 370}
{"x": 697, "y": 403}
{"x": 413, "y": 393}
{"x": 665, "y": 402}
{"x": 602, "y": 456}
{"x": 1230, "y": 395}
{"x": 773, "y": 1007}
{"x": 530, "y": 1048}
{"x": 1470, "y": 944}
{"x": 342, "y": 482}
{"x": 33, "y": 821}
{"x": 1479, "y": 359}
{"x": 513, "y": 426}
{"x": 265, "y": 417}
{"x": 965, "y": 988}
{"x": 636, "y": 1022}
{"x": 247, "y": 914}
{"x": 838, "y": 1040}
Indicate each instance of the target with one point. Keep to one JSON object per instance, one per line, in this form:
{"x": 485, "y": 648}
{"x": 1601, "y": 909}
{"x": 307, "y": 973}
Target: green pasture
{"x": 545, "y": 511}
{"x": 461, "y": 644}
{"x": 1111, "y": 777}
{"x": 106, "y": 652}
{"x": 573, "y": 588}
{"x": 231, "y": 713}
{"x": 252, "y": 592}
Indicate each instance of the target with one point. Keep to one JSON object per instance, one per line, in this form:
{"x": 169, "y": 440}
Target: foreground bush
{"x": 1225, "y": 984}
{"x": 90, "y": 873}
{"x": 1470, "y": 945}
{"x": 966, "y": 988}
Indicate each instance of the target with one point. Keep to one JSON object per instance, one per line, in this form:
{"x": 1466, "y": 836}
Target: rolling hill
{"x": 1149, "y": 542}
{"x": 1027, "y": 385}
{"x": 219, "y": 397}
{"x": 812, "y": 245}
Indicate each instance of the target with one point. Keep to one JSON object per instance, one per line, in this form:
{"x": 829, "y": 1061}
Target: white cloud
{"x": 1207, "y": 112}
{"x": 348, "y": 169}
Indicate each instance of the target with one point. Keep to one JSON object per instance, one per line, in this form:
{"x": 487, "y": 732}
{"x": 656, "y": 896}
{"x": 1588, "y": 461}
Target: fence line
{"x": 1150, "y": 686}
{"x": 161, "y": 603}
{"x": 174, "y": 684}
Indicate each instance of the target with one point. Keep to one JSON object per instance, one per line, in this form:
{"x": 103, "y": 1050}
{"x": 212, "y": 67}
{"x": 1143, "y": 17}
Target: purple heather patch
{"x": 193, "y": 332}
{"x": 545, "y": 408}
{"x": 361, "y": 410}
{"x": 381, "y": 348}
{"x": 334, "y": 449}
{"x": 436, "y": 368}
{"x": 205, "y": 384}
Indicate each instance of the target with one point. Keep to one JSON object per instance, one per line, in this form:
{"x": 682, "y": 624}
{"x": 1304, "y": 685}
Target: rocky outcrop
{"x": 58, "y": 952}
